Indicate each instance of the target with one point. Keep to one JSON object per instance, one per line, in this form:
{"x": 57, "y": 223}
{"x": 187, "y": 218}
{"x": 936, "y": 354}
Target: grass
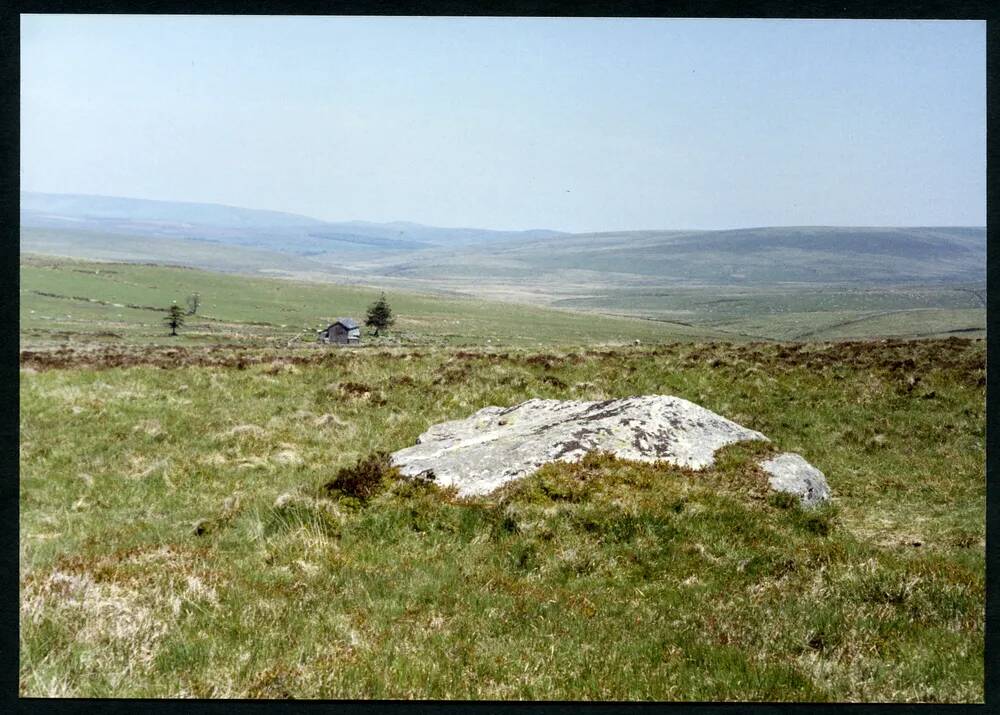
{"x": 797, "y": 312}
{"x": 64, "y": 300}
{"x": 225, "y": 527}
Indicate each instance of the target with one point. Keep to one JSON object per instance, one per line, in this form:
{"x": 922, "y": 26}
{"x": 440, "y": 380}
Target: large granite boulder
{"x": 498, "y": 444}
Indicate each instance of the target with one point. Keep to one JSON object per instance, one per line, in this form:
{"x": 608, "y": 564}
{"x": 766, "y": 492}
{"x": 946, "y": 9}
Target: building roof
{"x": 348, "y": 323}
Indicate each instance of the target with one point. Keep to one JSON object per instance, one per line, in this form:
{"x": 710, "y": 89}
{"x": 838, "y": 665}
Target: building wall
{"x": 339, "y": 334}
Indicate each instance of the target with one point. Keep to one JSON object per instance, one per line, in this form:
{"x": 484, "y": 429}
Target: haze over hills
{"x": 271, "y": 230}
{"x": 83, "y": 207}
{"x": 784, "y": 254}
{"x": 716, "y": 278}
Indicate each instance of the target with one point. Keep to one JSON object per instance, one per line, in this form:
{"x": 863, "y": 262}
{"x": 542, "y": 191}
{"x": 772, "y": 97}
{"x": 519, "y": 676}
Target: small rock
{"x": 789, "y": 472}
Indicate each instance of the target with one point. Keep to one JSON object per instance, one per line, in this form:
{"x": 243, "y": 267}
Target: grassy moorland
{"x": 215, "y": 522}
{"x": 68, "y": 301}
{"x": 802, "y": 312}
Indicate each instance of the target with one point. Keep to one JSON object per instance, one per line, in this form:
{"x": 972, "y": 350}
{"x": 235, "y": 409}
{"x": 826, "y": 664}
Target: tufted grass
{"x": 216, "y": 531}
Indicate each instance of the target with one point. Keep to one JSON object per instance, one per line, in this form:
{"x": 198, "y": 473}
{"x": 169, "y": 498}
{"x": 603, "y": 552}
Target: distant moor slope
{"x": 69, "y": 300}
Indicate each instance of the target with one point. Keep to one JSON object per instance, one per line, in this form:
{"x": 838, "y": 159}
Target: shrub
{"x": 364, "y": 480}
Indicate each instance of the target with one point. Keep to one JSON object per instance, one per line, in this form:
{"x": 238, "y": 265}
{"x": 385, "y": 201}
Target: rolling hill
{"x": 268, "y": 230}
{"x": 752, "y": 256}
{"x": 774, "y": 282}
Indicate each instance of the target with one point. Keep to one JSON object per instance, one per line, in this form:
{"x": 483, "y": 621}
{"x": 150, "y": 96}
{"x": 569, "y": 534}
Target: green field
{"x": 208, "y": 515}
{"x": 63, "y": 300}
{"x": 771, "y": 284}
{"x": 177, "y": 538}
{"x": 808, "y": 312}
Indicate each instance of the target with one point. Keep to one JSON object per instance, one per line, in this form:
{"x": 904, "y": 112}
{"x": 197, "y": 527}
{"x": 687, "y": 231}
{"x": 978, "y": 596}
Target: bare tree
{"x": 193, "y": 301}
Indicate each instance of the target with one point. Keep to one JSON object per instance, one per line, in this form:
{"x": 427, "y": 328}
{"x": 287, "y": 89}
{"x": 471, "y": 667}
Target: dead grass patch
{"x": 252, "y": 431}
{"x": 328, "y": 419}
{"x": 151, "y": 428}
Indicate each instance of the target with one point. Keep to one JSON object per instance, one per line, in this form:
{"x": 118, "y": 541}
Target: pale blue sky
{"x": 572, "y": 124}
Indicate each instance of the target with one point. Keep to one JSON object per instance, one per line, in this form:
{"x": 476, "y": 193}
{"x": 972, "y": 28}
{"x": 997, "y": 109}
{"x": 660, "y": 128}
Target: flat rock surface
{"x": 498, "y": 444}
{"x": 789, "y": 472}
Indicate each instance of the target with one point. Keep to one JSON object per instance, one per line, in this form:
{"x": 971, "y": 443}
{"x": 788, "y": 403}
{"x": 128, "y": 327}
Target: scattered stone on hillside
{"x": 789, "y": 472}
{"x": 497, "y": 444}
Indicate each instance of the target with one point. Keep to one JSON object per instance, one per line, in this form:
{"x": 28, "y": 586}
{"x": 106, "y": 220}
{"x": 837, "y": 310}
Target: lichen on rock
{"x": 498, "y": 444}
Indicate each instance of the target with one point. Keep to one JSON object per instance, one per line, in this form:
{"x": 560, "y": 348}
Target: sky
{"x": 515, "y": 123}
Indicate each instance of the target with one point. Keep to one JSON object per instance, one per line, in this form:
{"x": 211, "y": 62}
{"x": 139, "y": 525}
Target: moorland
{"x": 213, "y": 514}
{"x": 784, "y": 283}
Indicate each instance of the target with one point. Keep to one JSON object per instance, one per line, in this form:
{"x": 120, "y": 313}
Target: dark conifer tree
{"x": 380, "y": 315}
{"x": 175, "y": 318}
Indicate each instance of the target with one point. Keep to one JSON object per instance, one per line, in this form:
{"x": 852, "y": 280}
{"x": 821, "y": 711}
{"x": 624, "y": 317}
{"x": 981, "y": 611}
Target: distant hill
{"x": 775, "y": 283}
{"x": 472, "y": 259}
{"x": 267, "y": 230}
{"x": 77, "y": 208}
{"x": 750, "y": 256}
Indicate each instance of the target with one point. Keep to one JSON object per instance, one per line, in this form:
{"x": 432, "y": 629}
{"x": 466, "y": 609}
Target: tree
{"x": 193, "y": 301}
{"x": 175, "y": 318}
{"x": 380, "y": 315}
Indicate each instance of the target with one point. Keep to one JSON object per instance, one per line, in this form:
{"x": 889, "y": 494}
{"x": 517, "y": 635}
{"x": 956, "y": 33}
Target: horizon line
{"x": 503, "y": 230}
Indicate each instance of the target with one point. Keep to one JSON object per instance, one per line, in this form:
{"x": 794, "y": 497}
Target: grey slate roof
{"x": 348, "y": 323}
